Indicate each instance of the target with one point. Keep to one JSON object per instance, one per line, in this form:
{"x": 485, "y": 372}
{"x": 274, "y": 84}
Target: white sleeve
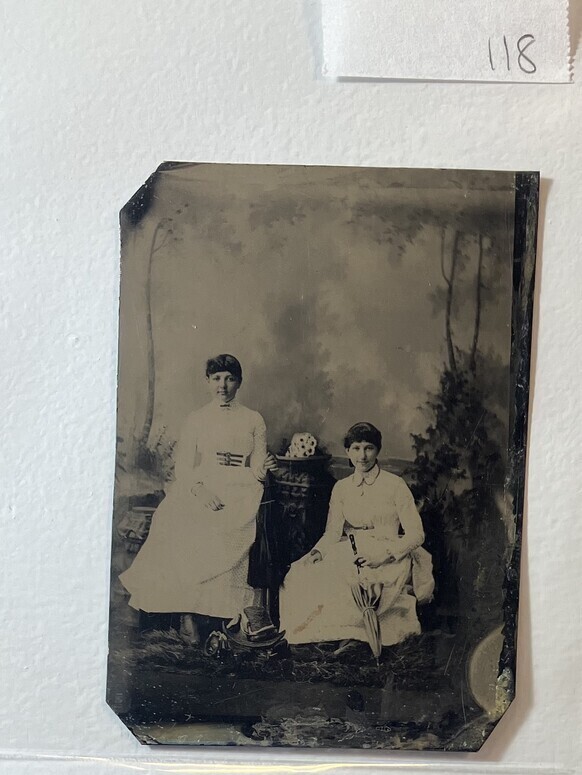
{"x": 409, "y": 517}
{"x": 335, "y": 523}
{"x": 259, "y": 453}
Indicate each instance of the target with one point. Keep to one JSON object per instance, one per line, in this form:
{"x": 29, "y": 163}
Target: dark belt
{"x": 231, "y": 459}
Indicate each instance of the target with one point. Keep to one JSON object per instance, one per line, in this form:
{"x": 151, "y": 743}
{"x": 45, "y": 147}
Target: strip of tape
{"x": 467, "y": 40}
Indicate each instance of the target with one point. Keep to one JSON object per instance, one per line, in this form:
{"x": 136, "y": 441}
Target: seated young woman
{"x": 195, "y": 559}
{"x": 377, "y": 510}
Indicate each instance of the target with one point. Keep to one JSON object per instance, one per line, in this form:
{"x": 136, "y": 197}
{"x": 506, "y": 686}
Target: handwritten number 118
{"x": 524, "y": 61}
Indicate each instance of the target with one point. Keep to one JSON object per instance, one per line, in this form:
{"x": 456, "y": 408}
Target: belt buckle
{"x": 230, "y": 459}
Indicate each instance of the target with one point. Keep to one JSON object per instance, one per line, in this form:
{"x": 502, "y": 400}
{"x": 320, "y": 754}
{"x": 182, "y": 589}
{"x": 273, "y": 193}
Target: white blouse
{"x": 220, "y": 439}
{"x": 379, "y": 502}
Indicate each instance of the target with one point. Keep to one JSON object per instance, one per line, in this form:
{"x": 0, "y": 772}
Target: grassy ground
{"x": 305, "y": 695}
{"x": 410, "y": 665}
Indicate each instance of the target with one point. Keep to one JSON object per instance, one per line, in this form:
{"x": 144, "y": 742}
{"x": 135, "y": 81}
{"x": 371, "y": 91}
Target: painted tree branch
{"x": 450, "y": 294}
{"x": 473, "y": 358}
{"x": 443, "y": 243}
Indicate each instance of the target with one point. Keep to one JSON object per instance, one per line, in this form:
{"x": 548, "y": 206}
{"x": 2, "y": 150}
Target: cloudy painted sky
{"x": 325, "y": 282}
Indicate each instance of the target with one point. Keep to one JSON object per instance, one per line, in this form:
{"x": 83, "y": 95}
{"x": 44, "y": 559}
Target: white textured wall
{"x": 94, "y": 95}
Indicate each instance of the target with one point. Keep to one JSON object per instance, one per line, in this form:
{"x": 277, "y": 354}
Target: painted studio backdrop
{"x": 342, "y": 293}
{"x": 348, "y": 295}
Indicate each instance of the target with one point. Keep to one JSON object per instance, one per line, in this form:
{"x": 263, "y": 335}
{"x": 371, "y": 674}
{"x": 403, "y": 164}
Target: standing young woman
{"x": 195, "y": 559}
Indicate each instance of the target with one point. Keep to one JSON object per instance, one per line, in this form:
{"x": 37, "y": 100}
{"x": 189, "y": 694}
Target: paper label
{"x": 467, "y": 40}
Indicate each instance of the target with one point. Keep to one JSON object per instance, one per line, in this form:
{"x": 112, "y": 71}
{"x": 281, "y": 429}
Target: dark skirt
{"x": 268, "y": 563}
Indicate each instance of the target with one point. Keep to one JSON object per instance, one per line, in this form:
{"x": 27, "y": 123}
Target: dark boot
{"x": 256, "y": 624}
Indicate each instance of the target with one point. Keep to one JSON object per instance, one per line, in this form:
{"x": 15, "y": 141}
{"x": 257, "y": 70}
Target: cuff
{"x": 399, "y": 551}
{"x": 320, "y": 549}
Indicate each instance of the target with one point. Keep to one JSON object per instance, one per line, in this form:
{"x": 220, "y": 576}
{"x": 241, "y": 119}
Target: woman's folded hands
{"x": 374, "y": 558}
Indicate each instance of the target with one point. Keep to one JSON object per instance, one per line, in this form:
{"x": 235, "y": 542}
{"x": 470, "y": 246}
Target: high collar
{"x": 224, "y": 406}
{"x": 368, "y": 478}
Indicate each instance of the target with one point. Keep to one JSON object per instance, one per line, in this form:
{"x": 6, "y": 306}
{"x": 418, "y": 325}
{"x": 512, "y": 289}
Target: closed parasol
{"x": 367, "y": 598}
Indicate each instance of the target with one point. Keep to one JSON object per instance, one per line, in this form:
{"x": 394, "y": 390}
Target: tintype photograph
{"x": 322, "y": 411}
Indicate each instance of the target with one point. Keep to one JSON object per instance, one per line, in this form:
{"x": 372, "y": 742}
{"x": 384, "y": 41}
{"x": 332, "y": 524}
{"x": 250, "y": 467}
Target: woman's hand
{"x": 374, "y": 559}
{"x": 270, "y": 464}
{"x": 314, "y": 556}
{"x": 208, "y": 498}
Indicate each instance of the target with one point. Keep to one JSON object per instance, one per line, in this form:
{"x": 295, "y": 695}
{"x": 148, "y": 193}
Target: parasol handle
{"x": 354, "y": 549}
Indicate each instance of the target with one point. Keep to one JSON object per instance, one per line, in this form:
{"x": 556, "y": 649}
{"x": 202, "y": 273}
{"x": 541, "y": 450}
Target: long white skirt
{"x": 195, "y": 560}
{"x": 316, "y": 602}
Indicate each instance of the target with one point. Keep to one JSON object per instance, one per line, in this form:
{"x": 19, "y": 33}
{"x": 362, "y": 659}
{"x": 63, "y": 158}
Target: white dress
{"x": 195, "y": 560}
{"x": 316, "y": 602}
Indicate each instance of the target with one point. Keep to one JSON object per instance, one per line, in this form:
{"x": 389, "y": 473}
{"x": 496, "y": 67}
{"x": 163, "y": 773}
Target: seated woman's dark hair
{"x": 363, "y": 431}
{"x": 224, "y": 362}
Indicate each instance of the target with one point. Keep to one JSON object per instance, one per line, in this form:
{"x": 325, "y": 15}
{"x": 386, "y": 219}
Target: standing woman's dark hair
{"x": 363, "y": 431}
{"x": 224, "y": 362}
